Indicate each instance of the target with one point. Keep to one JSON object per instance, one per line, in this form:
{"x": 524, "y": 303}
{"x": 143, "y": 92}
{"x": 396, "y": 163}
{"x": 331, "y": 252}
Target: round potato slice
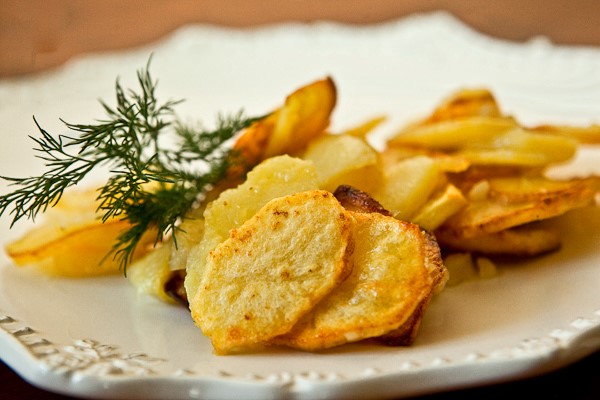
{"x": 391, "y": 282}
{"x": 272, "y": 270}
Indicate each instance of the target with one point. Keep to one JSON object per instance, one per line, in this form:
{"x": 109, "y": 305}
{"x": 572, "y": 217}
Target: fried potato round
{"x": 390, "y": 281}
{"x": 272, "y": 270}
{"x": 521, "y": 241}
{"x": 494, "y": 214}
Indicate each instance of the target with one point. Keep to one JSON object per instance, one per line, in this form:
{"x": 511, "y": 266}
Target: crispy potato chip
{"x": 389, "y": 282}
{"x": 272, "y": 270}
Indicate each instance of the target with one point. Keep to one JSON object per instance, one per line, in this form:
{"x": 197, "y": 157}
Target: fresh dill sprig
{"x": 152, "y": 183}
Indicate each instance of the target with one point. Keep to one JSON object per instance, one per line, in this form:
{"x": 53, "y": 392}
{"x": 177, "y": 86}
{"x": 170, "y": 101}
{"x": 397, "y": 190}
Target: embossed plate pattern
{"x": 97, "y": 338}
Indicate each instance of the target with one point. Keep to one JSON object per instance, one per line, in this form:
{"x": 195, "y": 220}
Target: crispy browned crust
{"x": 356, "y": 200}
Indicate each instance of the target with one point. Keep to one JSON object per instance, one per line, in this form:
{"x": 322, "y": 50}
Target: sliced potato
{"x": 466, "y": 102}
{"x": 274, "y": 177}
{"x": 583, "y": 134}
{"x": 408, "y": 185}
{"x": 150, "y": 273}
{"x": 272, "y": 270}
{"x": 362, "y": 131}
{"x": 304, "y": 116}
{"x": 440, "y": 207}
{"x": 520, "y": 147}
{"x": 74, "y": 250}
{"x": 73, "y": 241}
{"x": 495, "y": 214}
{"x": 522, "y": 241}
{"x": 343, "y": 160}
{"x": 453, "y": 134}
{"x": 388, "y": 284}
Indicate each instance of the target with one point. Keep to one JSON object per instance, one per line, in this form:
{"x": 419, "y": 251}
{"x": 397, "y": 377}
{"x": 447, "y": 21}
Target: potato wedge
{"x": 304, "y": 116}
{"x": 521, "y": 147}
{"x": 583, "y": 134}
{"x": 344, "y": 160}
{"x": 440, "y": 207}
{"x": 407, "y": 186}
{"x": 272, "y": 270}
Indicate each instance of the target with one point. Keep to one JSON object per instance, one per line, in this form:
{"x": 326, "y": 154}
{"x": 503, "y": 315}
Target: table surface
{"x": 41, "y": 34}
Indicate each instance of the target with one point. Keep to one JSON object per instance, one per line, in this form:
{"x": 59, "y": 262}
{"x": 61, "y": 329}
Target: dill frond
{"x": 150, "y": 185}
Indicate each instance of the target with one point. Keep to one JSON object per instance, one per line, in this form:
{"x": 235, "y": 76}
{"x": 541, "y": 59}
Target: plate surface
{"x": 98, "y": 338}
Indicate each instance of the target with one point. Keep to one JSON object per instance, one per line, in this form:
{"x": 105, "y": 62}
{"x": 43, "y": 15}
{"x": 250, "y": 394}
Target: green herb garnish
{"x": 158, "y": 166}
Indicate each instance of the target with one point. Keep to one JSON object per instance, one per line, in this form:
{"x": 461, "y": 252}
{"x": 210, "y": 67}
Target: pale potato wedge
{"x": 272, "y": 270}
{"x": 362, "y": 131}
{"x": 407, "y": 186}
{"x": 343, "y": 160}
{"x": 521, "y": 147}
{"x": 151, "y": 273}
{"x": 440, "y": 207}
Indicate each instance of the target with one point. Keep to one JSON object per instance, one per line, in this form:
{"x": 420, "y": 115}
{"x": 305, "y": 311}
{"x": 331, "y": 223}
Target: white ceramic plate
{"x": 98, "y": 338}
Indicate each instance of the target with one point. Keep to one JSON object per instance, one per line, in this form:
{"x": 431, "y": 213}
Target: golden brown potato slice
{"x": 76, "y": 250}
{"x": 390, "y": 283}
{"x": 522, "y": 148}
{"x": 362, "y": 131}
{"x": 525, "y": 188}
{"x": 494, "y": 214}
{"x": 522, "y": 241}
{"x": 583, "y": 134}
{"x": 272, "y": 270}
{"x": 72, "y": 240}
{"x": 466, "y": 102}
{"x": 304, "y": 116}
{"x": 274, "y": 177}
{"x": 449, "y": 135}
